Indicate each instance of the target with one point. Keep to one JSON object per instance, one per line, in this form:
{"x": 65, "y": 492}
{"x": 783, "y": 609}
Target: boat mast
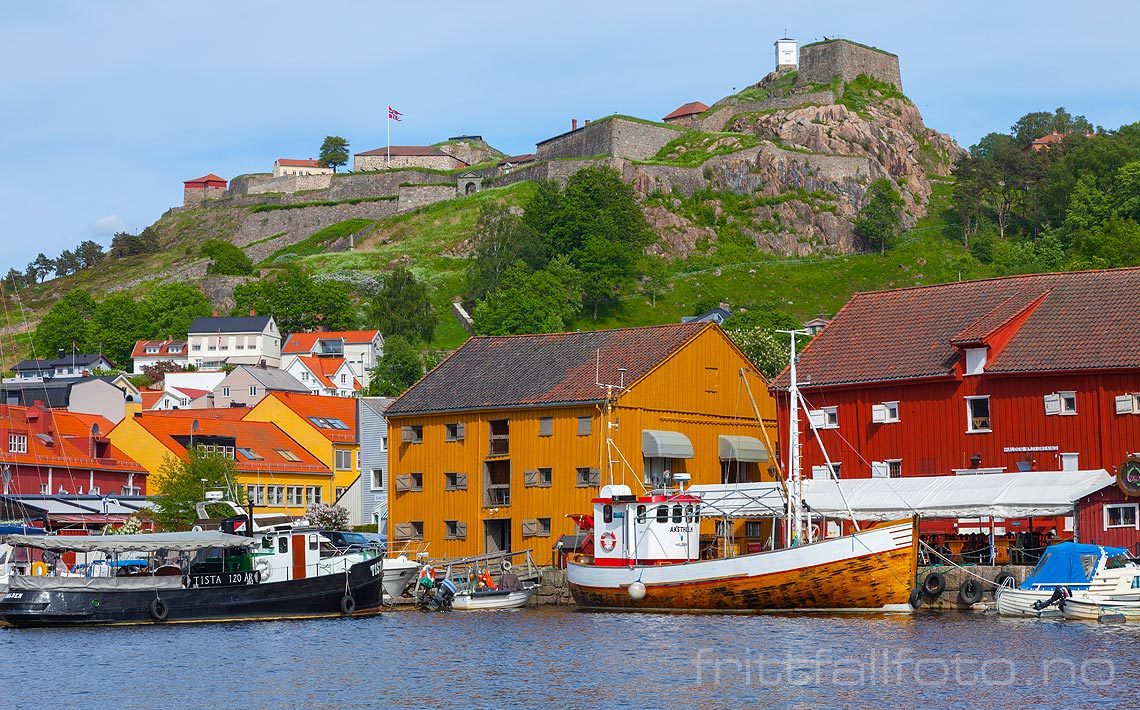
{"x": 795, "y": 476}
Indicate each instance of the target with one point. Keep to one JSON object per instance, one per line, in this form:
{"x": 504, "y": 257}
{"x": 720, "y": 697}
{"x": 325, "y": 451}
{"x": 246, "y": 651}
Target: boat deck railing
{"x": 520, "y": 563}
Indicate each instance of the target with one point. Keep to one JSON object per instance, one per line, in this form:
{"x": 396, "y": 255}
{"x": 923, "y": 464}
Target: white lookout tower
{"x": 786, "y": 55}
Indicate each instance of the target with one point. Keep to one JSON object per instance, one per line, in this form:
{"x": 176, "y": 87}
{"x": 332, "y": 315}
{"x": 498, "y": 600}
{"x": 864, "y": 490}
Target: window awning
{"x": 665, "y": 444}
{"x": 741, "y": 448}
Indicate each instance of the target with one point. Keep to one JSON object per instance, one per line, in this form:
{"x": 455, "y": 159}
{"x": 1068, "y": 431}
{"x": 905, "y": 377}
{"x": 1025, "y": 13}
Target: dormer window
{"x": 152, "y": 351}
{"x": 975, "y": 361}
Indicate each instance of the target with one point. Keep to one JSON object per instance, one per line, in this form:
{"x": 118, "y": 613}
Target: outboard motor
{"x": 1060, "y": 594}
{"x": 441, "y": 598}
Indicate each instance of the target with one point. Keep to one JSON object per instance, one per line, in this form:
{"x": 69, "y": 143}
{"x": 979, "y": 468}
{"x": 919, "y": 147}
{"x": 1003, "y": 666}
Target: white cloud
{"x": 108, "y": 225}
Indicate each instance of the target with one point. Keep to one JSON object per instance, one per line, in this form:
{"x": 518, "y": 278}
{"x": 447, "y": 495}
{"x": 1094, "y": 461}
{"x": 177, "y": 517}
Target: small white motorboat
{"x": 399, "y": 573}
{"x": 486, "y": 599}
{"x": 1114, "y": 594}
{"x": 1071, "y": 565}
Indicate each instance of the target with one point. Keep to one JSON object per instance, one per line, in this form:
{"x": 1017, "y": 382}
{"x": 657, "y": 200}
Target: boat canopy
{"x": 1002, "y": 495}
{"x": 741, "y": 448}
{"x": 149, "y": 542}
{"x": 20, "y": 530}
{"x": 1069, "y": 563}
{"x": 665, "y": 444}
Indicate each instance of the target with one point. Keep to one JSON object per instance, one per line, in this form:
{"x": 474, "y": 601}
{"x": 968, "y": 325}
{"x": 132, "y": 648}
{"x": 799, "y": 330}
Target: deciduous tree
{"x": 182, "y": 483}
{"x": 879, "y": 221}
{"x": 402, "y": 307}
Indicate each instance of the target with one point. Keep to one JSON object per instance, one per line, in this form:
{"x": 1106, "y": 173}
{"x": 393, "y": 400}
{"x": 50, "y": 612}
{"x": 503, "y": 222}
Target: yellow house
{"x": 507, "y": 436}
{"x": 326, "y": 428}
{"x": 278, "y": 474}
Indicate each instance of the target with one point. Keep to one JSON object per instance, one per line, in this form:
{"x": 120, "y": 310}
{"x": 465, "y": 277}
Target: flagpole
{"x": 388, "y": 153}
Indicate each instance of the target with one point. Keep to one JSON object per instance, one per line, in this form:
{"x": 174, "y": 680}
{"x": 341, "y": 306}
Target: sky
{"x": 105, "y": 108}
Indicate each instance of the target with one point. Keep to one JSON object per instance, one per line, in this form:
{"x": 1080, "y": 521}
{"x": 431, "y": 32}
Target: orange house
{"x": 507, "y": 436}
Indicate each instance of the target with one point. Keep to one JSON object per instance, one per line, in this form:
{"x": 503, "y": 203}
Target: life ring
{"x": 970, "y": 592}
{"x": 915, "y": 599}
{"x": 934, "y": 584}
{"x": 609, "y": 541}
{"x": 39, "y": 569}
{"x": 264, "y": 569}
{"x": 158, "y": 609}
{"x": 347, "y": 604}
{"x": 505, "y": 565}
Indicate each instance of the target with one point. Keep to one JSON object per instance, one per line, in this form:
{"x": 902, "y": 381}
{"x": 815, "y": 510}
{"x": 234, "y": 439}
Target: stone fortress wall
{"x": 616, "y": 136}
{"x": 821, "y": 61}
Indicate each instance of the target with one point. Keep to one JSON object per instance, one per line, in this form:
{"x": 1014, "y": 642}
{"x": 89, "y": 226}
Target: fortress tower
{"x": 786, "y": 57}
{"x": 822, "y": 61}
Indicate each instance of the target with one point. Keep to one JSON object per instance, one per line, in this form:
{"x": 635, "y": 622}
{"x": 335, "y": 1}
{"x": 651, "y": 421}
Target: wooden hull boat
{"x": 1011, "y": 601}
{"x": 493, "y": 599}
{"x": 872, "y": 570}
{"x": 1086, "y": 608}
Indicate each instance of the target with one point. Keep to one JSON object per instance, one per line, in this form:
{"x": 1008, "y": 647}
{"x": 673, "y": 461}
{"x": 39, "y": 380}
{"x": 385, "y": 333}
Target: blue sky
{"x": 105, "y": 108}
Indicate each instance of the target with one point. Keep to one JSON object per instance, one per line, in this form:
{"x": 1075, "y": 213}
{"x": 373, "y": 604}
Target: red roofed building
{"x": 360, "y": 349}
{"x": 295, "y": 166}
{"x": 152, "y": 352}
{"x": 53, "y": 451}
{"x": 685, "y": 114}
{"x": 329, "y": 376}
{"x": 991, "y": 376}
{"x": 207, "y": 187}
{"x": 405, "y": 156}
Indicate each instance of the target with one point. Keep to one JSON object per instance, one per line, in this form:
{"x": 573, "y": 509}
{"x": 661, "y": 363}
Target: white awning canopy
{"x": 152, "y": 542}
{"x": 1000, "y": 495}
{"x": 665, "y": 444}
{"x": 741, "y": 448}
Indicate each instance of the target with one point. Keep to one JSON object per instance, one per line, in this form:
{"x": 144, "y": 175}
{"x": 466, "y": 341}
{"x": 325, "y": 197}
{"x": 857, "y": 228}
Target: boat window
{"x": 607, "y": 513}
{"x": 662, "y": 513}
{"x": 267, "y": 543}
{"x": 641, "y": 513}
{"x": 1089, "y": 564}
{"x": 283, "y": 544}
{"x": 314, "y": 543}
{"x": 1136, "y": 582}
{"x": 689, "y": 513}
{"x": 677, "y": 517}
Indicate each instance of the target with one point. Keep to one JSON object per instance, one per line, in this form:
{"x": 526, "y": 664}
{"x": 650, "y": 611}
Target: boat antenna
{"x": 612, "y": 392}
{"x": 795, "y": 477}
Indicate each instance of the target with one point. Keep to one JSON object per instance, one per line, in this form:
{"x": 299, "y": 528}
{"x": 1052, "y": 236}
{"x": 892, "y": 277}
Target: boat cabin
{"x": 662, "y": 527}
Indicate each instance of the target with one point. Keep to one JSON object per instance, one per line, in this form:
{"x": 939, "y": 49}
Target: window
{"x": 130, "y": 491}
{"x": 536, "y": 527}
{"x": 977, "y": 414}
{"x": 891, "y": 468}
{"x": 288, "y": 455}
{"x": 255, "y": 495}
{"x": 253, "y": 390}
{"x": 820, "y": 472}
{"x": 453, "y": 481}
{"x": 196, "y": 347}
{"x": 150, "y": 350}
{"x": 587, "y": 477}
{"x": 584, "y": 426}
{"x": 313, "y": 495}
{"x": 455, "y": 530}
{"x": 1062, "y": 403}
{"x": 885, "y": 413}
{"x": 1128, "y": 403}
{"x": 409, "y": 482}
{"x": 454, "y": 431}
{"x": 1070, "y": 461}
{"x": 824, "y": 418}
{"x": 1120, "y": 515}
{"x": 538, "y": 478}
{"x": 411, "y": 530}
{"x": 753, "y": 529}
{"x": 275, "y": 495}
{"x": 249, "y": 453}
{"x": 343, "y": 378}
{"x": 339, "y": 493}
{"x": 377, "y": 479}
{"x": 226, "y": 451}
{"x": 662, "y": 513}
{"x": 712, "y": 375}
{"x": 383, "y": 443}
{"x": 975, "y": 361}
{"x": 641, "y": 514}
{"x": 412, "y": 434}
{"x": 17, "y": 443}
{"x": 343, "y": 460}
{"x": 225, "y": 391}
{"x": 546, "y": 426}
{"x": 293, "y": 495}
{"x": 500, "y": 444}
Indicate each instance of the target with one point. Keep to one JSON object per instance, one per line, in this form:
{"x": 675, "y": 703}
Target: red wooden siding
{"x": 1090, "y": 520}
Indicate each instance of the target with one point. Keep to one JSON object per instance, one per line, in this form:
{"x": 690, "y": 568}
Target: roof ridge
{"x": 581, "y": 332}
{"x": 988, "y": 279}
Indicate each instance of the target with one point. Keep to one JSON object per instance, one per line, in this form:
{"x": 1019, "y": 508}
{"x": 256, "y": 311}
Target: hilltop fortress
{"x": 806, "y": 141}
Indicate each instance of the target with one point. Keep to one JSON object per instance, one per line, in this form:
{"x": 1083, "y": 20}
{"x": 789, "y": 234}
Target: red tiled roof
{"x": 299, "y": 163}
{"x": 309, "y": 406}
{"x": 1085, "y": 320}
{"x": 516, "y": 159}
{"x": 139, "y": 350}
{"x": 687, "y": 110}
{"x": 228, "y": 413}
{"x": 323, "y": 368}
{"x": 150, "y": 397}
{"x": 70, "y": 439}
{"x": 205, "y": 181}
{"x": 190, "y": 393}
{"x": 263, "y": 438}
{"x": 406, "y": 150}
{"x": 299, "y": 343}
{"x": 550, "y": 369}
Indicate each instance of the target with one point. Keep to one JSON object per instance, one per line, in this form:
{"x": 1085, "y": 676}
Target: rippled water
{"x": 558, "y": 657}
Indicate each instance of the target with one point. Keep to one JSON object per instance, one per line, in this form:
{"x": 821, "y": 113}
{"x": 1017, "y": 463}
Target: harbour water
{"x": 565, "y": 658}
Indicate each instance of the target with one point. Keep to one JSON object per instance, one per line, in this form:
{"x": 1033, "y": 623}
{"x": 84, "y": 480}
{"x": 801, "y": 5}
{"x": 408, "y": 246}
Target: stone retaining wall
{"x": 720, "y": 115}
{"x": 290, "y": 183}
{"x": 420, "y": 195}
{"x": 618, "y": 137}
{"x": 300, "y": 223}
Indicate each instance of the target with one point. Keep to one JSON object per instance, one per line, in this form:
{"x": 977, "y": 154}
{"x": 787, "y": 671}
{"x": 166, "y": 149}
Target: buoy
{"x": 636, "y": 591}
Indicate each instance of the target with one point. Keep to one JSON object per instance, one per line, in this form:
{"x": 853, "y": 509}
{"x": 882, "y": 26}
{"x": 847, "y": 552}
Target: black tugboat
{"x": 193, "y": 577}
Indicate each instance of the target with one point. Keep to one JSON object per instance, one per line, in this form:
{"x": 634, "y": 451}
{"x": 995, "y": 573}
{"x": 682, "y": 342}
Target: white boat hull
{"x": 1011, "y": 601}
{"x": 399, "y": 572}
{"x": 1092, "y": 609}
{"x": 465, "y": 601}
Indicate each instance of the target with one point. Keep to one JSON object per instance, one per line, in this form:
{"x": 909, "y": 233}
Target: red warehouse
{"x": 1006, "y": 374}
{"x": 1111, "y": 516}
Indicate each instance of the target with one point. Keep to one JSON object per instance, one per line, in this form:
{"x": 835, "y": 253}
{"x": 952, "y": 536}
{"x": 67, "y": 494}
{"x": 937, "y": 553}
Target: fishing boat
{"x": 193, "y": 577}
{"x": 1113, "y": 594}
{"x": 1066, "y": 564}
{"x": 486, "y": 599}
{"x": 10, "y": 562}
{"x": 647, "y": 553}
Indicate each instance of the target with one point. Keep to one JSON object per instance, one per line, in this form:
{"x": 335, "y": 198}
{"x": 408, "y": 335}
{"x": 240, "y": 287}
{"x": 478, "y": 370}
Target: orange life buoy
{"x": 609, "y": 541}
{"x": 39, "y": 569}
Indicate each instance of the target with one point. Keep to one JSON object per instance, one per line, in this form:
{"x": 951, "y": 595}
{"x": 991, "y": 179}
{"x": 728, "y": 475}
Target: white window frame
{"x": 253, "y": 390}
{"x": 345, "y": 454}
{"x": 1134, "y": 507}
{"x": 820, "y": 471}
{"x": 1065, "y": 410}
{"x": 970, "y": 416}
{"x": 373, "y": 479}
{"x": 824, "y": 417}
{"x": 881, "y": 413}
{"x": 976, "y": 360}
{"x": 17, "y": 443}
{"x": 1075, "y": 458}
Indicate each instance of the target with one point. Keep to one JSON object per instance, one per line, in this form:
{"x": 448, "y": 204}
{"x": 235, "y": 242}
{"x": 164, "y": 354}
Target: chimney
{"x": 61, "y": 353}
{"x": 215, "y": 314}
{"x": 587, "y": 122}
{"x": 573, "y": 124}
{"x": 252, "y": 312}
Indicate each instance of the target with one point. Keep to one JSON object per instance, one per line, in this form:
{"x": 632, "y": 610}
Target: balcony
{"x": 496, "y": 496}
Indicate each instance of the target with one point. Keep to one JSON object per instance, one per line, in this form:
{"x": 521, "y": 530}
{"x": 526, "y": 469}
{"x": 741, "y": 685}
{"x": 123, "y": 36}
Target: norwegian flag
{"x": 393, "y": 113}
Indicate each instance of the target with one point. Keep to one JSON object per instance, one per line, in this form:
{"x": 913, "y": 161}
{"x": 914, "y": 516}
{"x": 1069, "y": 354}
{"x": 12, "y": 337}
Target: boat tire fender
{"x": 970, "y": 592}
{"x": 347, "y": 604}
{"x": 934, "y": 584}
{"x": 1005, "y": 579}
{"x": 915, "y": 599}
{"x": 159, "y": 610}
